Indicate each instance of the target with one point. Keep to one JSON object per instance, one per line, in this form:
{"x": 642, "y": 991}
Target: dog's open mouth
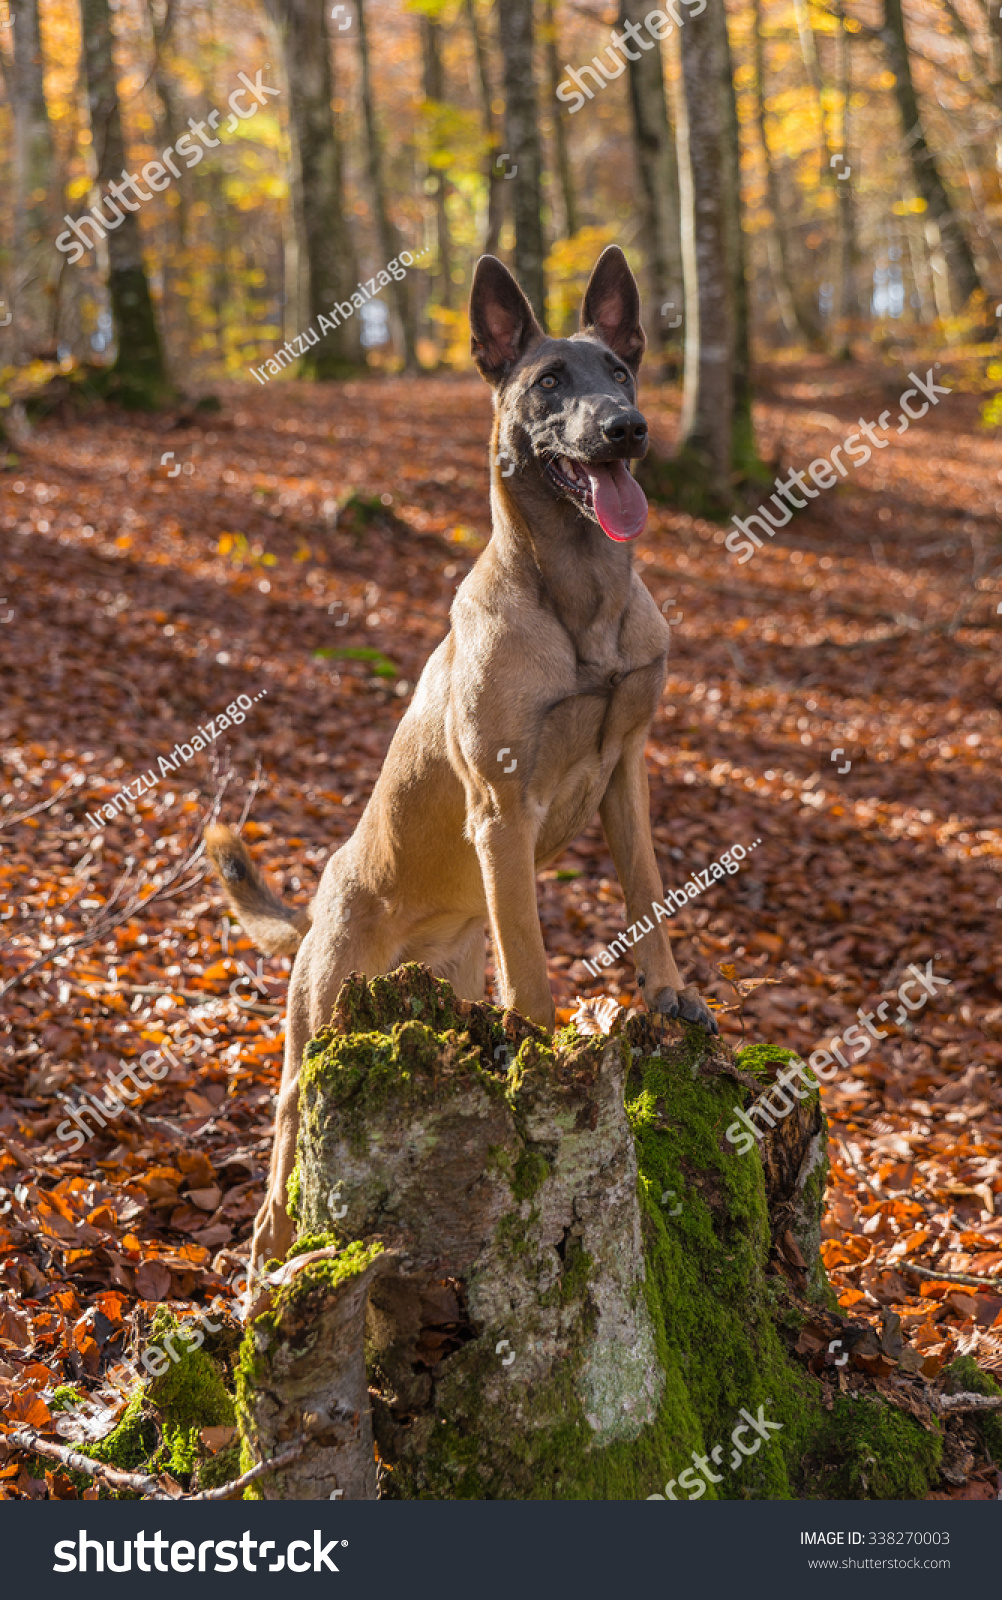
{"x": 607, "y": 490}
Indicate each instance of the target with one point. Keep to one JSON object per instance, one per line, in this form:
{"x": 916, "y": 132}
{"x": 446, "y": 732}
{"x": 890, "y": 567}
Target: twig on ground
{"x": 43, "y": 805}
{"x": 946, "y": 1277}
{"x": 104, "y": 923}
{"x": 27, "y": 1439}
{"x": 225, "y": 1490}
{"x": 951, "y": 1404}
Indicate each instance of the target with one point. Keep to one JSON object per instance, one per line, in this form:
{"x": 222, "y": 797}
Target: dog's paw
{"x": 688, "y": 1004}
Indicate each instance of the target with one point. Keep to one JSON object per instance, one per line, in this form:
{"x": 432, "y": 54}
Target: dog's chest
{"x": 581, "y": 741}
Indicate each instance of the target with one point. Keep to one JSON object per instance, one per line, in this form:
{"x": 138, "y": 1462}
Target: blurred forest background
{"x": 809, "y": 194}
{"x": 845, "y": 159}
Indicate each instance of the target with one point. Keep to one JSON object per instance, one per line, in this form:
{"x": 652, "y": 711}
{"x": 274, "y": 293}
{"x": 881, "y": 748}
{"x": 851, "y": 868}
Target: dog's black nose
{"x": 627, "y": 427}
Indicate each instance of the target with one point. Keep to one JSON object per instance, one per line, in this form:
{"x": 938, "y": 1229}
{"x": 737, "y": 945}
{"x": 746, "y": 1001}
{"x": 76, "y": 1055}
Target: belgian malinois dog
{"x": 531, "y": 715}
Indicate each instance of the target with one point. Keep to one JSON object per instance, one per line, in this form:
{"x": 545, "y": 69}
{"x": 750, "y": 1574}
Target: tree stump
{"x": 533, "y": 1267}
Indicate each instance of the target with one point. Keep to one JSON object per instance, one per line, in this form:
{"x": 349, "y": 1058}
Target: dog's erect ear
{"x": 611, "y": 307}
{"x": 502, "y": 323}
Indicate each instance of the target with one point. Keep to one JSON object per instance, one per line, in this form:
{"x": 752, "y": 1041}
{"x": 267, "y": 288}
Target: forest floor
{"x": 139, "y": 604}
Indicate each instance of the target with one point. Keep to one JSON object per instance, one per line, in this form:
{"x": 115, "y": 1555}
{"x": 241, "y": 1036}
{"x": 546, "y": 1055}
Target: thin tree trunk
{"x": 831, "y": 165}
{"x": 710, "y": 324}
{"x": 918, "y": 258}
{"x": 35, "y": 264}
{"x": 744, "y": 458}
{"x": 434, "y": 93}
{"x": 495, "y": 179}
{"x": 522, "y": 139}
{"x": 171, "y": 129}
{"x": 138, "y": 376}
{"x": 554, "y": 73}
{"x": 798, "y": 315}
{"x": 320, "y": 212}
{"x": 957, "y": 251}
{"x": 657, "y": 170}
{"x": 389, "y": 237}
{"x": 843, "y": 297}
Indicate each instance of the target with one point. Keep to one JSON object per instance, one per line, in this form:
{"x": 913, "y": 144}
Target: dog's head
{"x": 567, "y": 408}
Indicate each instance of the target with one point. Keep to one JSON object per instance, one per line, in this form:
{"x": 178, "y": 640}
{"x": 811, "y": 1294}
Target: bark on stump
{"x": 540, "y": 1257}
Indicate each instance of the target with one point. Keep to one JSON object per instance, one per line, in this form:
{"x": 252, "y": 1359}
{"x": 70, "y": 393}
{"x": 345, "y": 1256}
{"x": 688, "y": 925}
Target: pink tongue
{"x": 620, "y": 503}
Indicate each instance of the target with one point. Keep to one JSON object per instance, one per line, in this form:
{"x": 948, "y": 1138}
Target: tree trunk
{"x": 554, "y": 73}
{"x": 389, "y": 239}
{"x": 544, "y": 1267}
{"x": 745, "y": 463}
{"x": 138, "y": 377}
{"x": 35, "y": 265}
{"x": 657, "y": 171}
{"x": 843, "y": 297}
{"x": 799, "y": 317}
{"x": 830, "y": 166}
{"x": 956, "y": 249}
{"x": 320, "y": 212}
{"x": 494, "y": 177}
{"x": 698, "y": 477}
{"x": 522, "y": 139}
{"x": 434, "y": 93}
{"x": 176, "y": 307}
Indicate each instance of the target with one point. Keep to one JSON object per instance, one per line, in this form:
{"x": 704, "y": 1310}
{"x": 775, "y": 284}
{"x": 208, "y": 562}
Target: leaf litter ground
{"x": 304, "y": 548}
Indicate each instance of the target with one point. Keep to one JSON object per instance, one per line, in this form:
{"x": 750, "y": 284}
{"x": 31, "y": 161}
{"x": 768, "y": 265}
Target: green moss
{"x": 531, "y": 1171}
{"x": 865, "y": 1450}
{"x": 294, "y": 1189}
{"x": 965, "y": 1374}
{"x": 133, "y": 1441}
{"x": 756, "y": 1059}
{"x": 189, "y": 1396}
{"x": 220, "y": 1468}
{"x": 65, "y": 1398}
{"x": 161, "y": 1424}
{"x": 312, "y": 1241}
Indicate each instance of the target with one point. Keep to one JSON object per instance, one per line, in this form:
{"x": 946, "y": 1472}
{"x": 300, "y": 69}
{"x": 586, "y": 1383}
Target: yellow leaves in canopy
{"x": 902, "y": 208}
{"x": 453, "y": 138}
{"x": 568, "y": 268}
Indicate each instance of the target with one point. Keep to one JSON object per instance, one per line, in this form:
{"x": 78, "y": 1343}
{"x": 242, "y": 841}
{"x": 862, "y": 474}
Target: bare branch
{"x": 27, "y": 1439}
{"x": 43, "y": 805}
{"x": 290, "y": 1453}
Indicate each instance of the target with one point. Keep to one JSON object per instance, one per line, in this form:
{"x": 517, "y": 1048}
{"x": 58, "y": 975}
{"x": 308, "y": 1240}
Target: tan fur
{"x": 556, "y": 653}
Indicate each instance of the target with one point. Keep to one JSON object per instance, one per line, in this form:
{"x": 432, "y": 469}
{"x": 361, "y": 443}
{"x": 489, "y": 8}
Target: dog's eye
{"x": 547, "y": 381}
{"x": 621, "y": 376}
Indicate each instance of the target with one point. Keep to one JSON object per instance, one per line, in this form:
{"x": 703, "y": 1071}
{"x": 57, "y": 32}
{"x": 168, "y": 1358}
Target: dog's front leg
{"x": 505, "y": 848}
{"x": 626, "y": 818}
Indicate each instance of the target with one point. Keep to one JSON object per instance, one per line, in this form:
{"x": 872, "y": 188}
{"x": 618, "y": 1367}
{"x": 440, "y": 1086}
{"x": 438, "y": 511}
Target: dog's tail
{"x": 276, "y": 928}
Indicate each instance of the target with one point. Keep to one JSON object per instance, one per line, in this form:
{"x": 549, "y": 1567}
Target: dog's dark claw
{"x": 665, "y": 1003}
{"x": 689, "y": 1005}
{"x": 693, "y": 1008}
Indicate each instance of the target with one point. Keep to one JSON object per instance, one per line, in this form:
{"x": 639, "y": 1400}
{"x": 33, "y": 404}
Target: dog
{"x": 530, "y": 716}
